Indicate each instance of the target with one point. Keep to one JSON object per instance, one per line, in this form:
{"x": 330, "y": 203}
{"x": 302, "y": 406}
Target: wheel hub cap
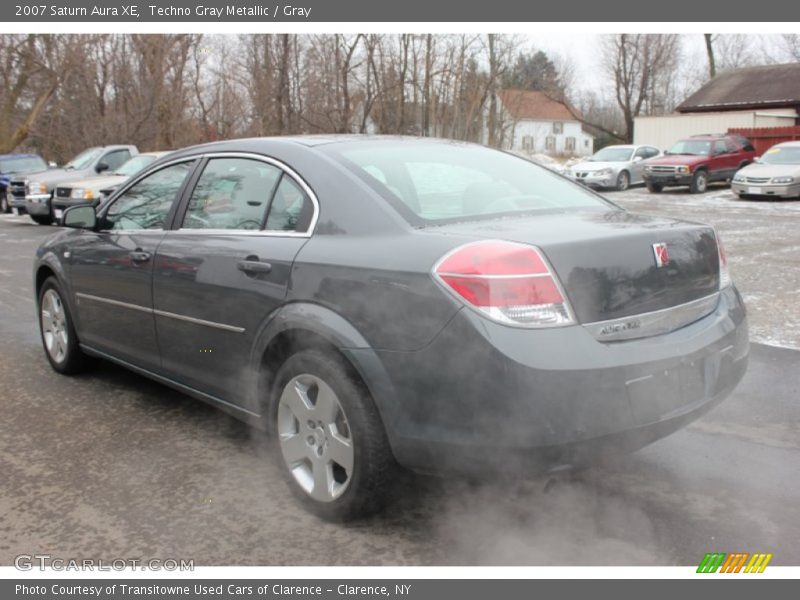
{"x": 54, "y": 325}
{"x": 315, "y": 437}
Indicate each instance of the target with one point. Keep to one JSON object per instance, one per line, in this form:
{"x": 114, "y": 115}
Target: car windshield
{"x": 694, "y": 147}
{"x": 782, "y": 156}
{"x": 134, "y": 165}
{"x": 434, "y": 182}
{"x": 84, "y": 159}
{"x": 612, "y": 154}
{"x": 21, "y": 164}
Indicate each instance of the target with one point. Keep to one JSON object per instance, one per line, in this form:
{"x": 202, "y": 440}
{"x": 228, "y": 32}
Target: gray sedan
{"x": 374, "y": 302}
{"x": 616, "y": 167}
{"x": 776, "y": 174}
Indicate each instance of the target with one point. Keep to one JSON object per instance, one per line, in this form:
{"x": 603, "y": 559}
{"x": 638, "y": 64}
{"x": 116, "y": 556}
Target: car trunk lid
{"x": 607, "y": 260}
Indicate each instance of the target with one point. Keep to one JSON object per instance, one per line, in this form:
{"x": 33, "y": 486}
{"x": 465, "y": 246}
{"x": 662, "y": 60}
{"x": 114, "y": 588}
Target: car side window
{"x": 651, "y": 152}
{"x": 147, "y": 203}
{"x": 291, "y": 208}
{"x": 720, "y": 147}
{"x": 116, "y": 159}
{"x": 232, "y": 193}
{"x": 731, "y": 146}
{"x": 641, "y": 153}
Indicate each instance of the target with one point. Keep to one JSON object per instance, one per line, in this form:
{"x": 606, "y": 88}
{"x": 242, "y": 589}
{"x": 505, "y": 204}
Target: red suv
{"x": 699, "y": 160}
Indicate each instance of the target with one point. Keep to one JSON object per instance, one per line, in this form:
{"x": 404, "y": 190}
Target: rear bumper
{"x": 38, "y": 205}
{"x": 483, "y": 397}
{"x": 778, "y": 191}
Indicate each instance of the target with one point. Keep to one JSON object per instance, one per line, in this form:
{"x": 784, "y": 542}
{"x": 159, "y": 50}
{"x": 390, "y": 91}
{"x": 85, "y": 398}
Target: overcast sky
{"x": 583, "y": 49}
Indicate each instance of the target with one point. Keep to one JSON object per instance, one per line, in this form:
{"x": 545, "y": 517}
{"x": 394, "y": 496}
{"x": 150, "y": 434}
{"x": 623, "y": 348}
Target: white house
{"x": 535, "y": 123}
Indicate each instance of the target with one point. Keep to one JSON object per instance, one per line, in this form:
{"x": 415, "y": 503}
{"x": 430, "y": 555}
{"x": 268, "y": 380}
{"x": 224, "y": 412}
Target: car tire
{"x": 5, "y": 207}
{"x": 654, "y": 188}
{"x": 623, "y": 181}
{"x": 43, "y": 219}
{"x": 57, "y": 331}
{"x": 699, "y": 184}
{"x": 335, "y": 457}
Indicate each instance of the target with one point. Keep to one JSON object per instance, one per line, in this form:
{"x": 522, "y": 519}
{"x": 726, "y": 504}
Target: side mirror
{"x": 52, "y": 164}
{"x": 80, "y": 217}
{"x": 757, "y": 159}
{"x": 638, "y": 159}
{"x": 101, "y": 167}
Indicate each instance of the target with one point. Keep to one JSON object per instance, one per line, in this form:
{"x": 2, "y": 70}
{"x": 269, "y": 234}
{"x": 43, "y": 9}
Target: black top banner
{"x": 327, "y": 11}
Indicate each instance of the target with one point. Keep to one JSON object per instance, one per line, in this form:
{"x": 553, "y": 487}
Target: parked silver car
{"x": 96, "y": 188}
{"x": 775, "y": 174}
{"x": 616, "y": 167}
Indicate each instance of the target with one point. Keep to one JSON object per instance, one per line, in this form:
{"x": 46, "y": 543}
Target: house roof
{"x": 770, "y": 86}
{"x": 535, "y": 105}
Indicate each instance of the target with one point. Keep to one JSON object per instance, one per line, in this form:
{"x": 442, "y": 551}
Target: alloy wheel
{"x": 315, "y": 437}
{"x": 54, "y": 325}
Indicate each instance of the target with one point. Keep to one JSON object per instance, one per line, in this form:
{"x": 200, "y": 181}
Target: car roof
{"x": 792, "y": 144}
{"x": 21, "y": 155}
{"x": 309, "y": 141}
{"x": 713, "y": 136}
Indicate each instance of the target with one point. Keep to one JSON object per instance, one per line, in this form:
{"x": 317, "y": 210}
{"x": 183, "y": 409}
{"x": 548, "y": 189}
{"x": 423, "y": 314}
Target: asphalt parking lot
{"x": 111, "y": 465}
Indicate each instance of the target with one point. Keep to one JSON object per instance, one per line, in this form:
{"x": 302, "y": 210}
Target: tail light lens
{"x": 724, "y": 272}
{"x": 508, "y": 282}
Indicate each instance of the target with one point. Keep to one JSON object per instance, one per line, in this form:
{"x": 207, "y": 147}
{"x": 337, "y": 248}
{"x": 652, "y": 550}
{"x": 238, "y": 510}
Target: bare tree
{"x": 33, "y": 66}
{"x": 712, "y": 61}
{"x": 641, "y": 67}
{"x": 790, "y": 43}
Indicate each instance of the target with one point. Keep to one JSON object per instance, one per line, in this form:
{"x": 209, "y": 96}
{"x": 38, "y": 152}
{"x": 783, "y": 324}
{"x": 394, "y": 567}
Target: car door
{"x": 226, "y": 266}
{"x": 111, "y": 269}
{"x": 637, "y": 166}
{"x": 722, "y": 161}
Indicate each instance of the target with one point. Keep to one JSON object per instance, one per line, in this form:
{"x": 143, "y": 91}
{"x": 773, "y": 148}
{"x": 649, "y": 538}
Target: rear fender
{"x": 338, "y": 332}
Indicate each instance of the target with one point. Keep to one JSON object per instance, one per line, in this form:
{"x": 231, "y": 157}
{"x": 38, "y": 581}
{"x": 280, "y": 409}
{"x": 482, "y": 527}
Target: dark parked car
{"x": 14, "y": 165}
{"x": 698, "y": 161}
{"x": 375, "y": 301}
{"x": 37, "y": 189}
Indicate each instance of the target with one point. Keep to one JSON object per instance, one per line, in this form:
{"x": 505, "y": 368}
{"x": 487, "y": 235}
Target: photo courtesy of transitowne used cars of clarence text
{"x": 377, "y": 303}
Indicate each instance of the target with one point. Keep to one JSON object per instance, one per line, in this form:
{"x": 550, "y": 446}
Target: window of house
{"x": 558, "y": 127}
{"x": 585, "y": 143}
{"x": 527, "y": 142}
{"x": 569, "y": 144}
{"x": 550, "y": 143}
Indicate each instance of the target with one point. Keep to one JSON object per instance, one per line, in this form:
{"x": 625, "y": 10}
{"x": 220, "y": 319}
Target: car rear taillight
{"x": 724, "y": 272}
{"x": 508, "y": 282}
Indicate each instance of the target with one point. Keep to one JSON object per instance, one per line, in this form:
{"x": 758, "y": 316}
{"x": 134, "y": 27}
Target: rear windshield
{"x": 612, "y": 154}
{"x": 431, "y": 182}
{"x": 22, "y": 164}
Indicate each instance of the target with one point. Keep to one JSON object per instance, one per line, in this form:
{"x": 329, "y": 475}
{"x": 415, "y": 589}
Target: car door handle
{"x": 251, "y": 264}
{"x": 140, "y": 256}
